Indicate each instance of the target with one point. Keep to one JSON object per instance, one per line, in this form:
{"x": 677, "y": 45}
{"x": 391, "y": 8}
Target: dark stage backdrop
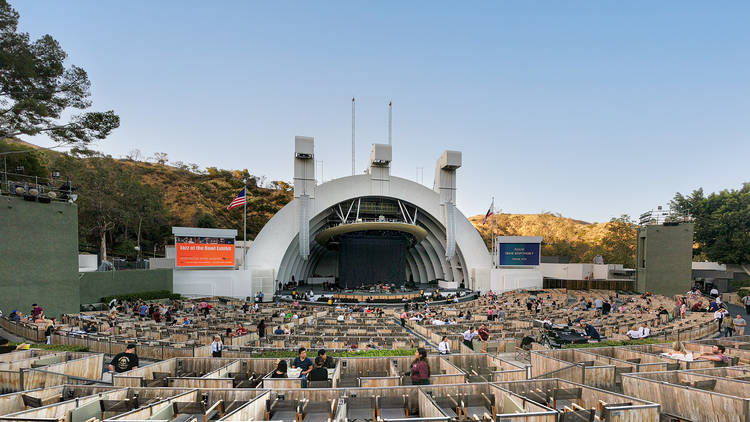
{"x": 371, "y": 259}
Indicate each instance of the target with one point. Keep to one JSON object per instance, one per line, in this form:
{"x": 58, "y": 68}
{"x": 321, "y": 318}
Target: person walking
{"x": 746, "y": 301}
{"x": 216, "y": 347}
{"x": 729, "y": 329}
{"x": 739, "y": 325}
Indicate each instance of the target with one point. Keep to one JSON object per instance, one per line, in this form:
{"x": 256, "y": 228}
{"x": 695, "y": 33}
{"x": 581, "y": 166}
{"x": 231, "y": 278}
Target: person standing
{"x": 746, "y": 301}
{"x": 216, "y": 347}
{"x": 469, "y": 337}
{"x": 714, "y": 292}
{"x": 262, "y": 328}
{"x": 739, "y": 325}
{"x": 444, "y": 347}
{"x": 124, "y": 361}
{"x": 729, "y": 329}
{"x": 719, "y": 318}
{"x": 36, "y": 310}
{"x": 420, "y": 369}
{"x": 484, "y": 335}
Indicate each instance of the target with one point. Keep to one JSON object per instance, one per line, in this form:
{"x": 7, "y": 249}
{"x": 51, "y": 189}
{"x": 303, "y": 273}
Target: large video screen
{"x": 519, "y": 253}
{"x": 196, "y": 251}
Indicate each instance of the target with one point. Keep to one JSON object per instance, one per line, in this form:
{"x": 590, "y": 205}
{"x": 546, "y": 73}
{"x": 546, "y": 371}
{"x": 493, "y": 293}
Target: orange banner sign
{"x": 204, "y": 255}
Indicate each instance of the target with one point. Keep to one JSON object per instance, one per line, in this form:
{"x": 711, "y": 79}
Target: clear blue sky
{"x": 590, "y": 109}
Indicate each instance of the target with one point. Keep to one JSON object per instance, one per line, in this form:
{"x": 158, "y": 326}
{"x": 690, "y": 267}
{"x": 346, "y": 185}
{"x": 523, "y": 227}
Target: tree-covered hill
{"x": 579, "y": 240}
{"x": 117, "y": 197}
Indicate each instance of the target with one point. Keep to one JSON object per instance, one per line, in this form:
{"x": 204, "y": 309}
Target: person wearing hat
{"x": 124, "y": 361}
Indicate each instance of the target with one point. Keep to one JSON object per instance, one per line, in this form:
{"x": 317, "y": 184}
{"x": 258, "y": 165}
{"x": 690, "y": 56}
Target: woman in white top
{"x": 216, "y": 347}
{"x": 444, "y": 347}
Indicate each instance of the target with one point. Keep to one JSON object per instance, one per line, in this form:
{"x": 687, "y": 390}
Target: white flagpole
{"x": 244, "y": 231}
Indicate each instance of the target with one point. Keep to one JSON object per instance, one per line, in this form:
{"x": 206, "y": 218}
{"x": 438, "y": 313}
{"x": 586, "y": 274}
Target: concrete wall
{"x": 234, "y": 283}
{"x": 38, "y": 256}
{"x": 94, "y": 286}
{"x": 664, "y": 258}
{"x": 504, "y": 279}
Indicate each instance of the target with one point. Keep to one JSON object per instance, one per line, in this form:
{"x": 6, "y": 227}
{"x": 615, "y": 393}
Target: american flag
{"x": 238, "y": 201}
{"x": 490, "y": 212}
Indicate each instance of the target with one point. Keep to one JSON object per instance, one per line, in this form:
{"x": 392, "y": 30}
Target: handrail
{"x": 70, "y": 377}
{"x": 547, "y": 375}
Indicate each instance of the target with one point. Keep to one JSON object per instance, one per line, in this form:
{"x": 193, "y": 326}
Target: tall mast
{"x": 353, "y": 136}
{"x": 390, "y": 121}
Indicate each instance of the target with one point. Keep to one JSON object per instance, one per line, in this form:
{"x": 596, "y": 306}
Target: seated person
{"x": 280, "y": 371}
{"x": 304, "y": 363}
{"x": 633, "y": 334}
{"x": 645, "y": 331}
{"x": 716, "y": 355}
{"x": 591, "y": 332}
{"x": 677, "y": 352}
{"x": 279, "y": 331}
{"x": 319, "y": 373}
{"x": 241, "y": 331}
{"x": 327, "y": 360}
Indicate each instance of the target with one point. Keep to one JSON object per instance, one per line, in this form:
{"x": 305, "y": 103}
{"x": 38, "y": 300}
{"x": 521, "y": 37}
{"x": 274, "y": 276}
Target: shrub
{"x": 348, "y": 354}
{"x": 615, "y": 343}
{"x": 157, "y": 294}
{"x": 55, "y": 347}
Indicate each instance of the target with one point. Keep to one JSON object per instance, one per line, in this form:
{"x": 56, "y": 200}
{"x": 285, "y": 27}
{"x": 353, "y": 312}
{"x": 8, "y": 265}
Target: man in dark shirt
{"x": 319, "y": 373}
{"x": 304, "y": 363}
{"x": 591, "y": 332}
{"x": 123, "y": 362}
{"x": 327, "y": 361}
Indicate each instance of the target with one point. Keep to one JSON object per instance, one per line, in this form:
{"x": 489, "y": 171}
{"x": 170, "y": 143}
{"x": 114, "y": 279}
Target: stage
{"x": 419, "y": 293}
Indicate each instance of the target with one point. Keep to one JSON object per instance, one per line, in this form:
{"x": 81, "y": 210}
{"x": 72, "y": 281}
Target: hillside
{"x": 581, "y": 241}
{"x": 120, "y": 198}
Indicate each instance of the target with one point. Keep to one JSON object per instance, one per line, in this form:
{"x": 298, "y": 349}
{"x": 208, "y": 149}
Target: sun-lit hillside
{"x": 614, "y": 240}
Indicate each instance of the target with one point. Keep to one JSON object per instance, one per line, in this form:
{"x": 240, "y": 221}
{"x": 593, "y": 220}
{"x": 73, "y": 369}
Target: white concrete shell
{"x": 276, "y": 247}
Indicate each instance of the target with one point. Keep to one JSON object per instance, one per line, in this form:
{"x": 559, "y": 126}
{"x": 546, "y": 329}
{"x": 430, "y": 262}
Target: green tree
{"x": 722, "y": 223}
{"x": 36, "y": 88}
{"x": 617, "y": 246}
{"x": 34, "y": 163}
{"x": 114, "y": 206}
